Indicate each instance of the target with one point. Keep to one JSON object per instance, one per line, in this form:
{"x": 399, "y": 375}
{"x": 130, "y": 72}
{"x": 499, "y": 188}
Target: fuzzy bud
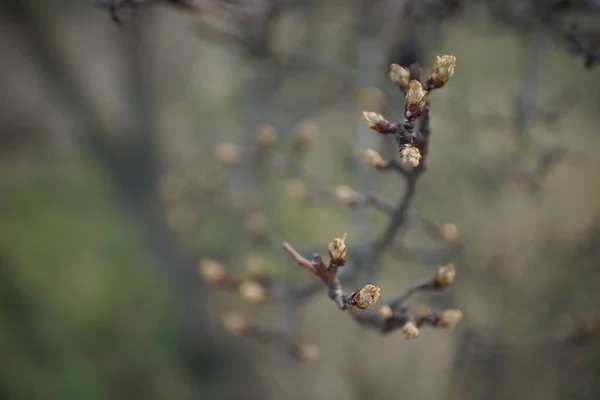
{"x": 444, "y": 276}
{"x": 228, "y": 153}
{"x": 365, "y": 297}
{"x": 400, "y": 75}
{"x": 252, "y": 292}
{"x": 308, "y": 352}
{"x": 255, "y": 265}
{"x": 410, "y": 330}
{"x": 376, "y": 121}
{"x": 448, "y": 318}
{"x": 442, "y": 71}
{"x": 256, "y": 222}
{"x": 450, "y": 232}
{"x": 373, "y": 158}
{"x": 345, "y": 194}
{"x": 416, "y": 98}
{"x": 411, "y": 156}
{"x": 385, "y": 312}
{"x": 235, "y": 323}
{"x": 337, "y": 250}
{"x": 211, "y": 270}
{"x": 296, "y": 189}
{"x": 267, "y": 136}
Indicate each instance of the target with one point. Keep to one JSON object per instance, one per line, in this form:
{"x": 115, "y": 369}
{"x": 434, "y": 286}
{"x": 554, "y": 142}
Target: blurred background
{"x": 115, "y": 182}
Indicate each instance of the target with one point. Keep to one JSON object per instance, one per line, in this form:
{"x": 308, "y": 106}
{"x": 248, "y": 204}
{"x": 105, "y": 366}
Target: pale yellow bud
{"x": 211, "y": 270}
{"x": 256, "y": 222}
{"x": 450, "y": 232}
{"x": 448, "y": 318}
{"x": 307, "y": 133}
{"x": 252, "y": 292}
{"x": 400, "y": 75}
{"x": 345, "y": 194}
{"x": 266, "y": 135}
{"x": 296, "y": 189}
{"x": 228, "y": 153}
{"x": 411, "y": 156}
{"x": 410, "y": 330}
{"x": 308, "y": 352}
{"x": 365, "y": 297}
{"x": 416, "y": 98}
{"x": 235, "y": 323}
{"x": 443, "y": 70}
{"x": 337, "y": 249}
{"x": 444, "y": 276}
{"x": 255, "y": 265}
{"x": 385, "y": 312}
{"x": 373, "y": 158}
{"x": 372, "y": 118}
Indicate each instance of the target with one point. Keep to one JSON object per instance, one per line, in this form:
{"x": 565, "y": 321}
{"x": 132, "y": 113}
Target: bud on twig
{"x": 385, "y": 312}
{"x": 211, "y": 270}
{"x": 400, "y": 75}
{"x": 450, "y": 232}
{"x": 267, "y": 136}
{"x": 308, "y": 352}
{"x": 416, "y": 98}
{"x": 337, "y": 250}
{"x": 410, "y": 330}
{"x": 410, "y": 155}
{"x": 228, "y": 153}
{"x": 345, "y": 194}
{"x": 252, "y": 292}
{"x": 365, "y": 297}
{"x": 448, "y": 318}
{"x": 235, "y": 323}
{"x": 444, "y": 276}
{"x": 376, "y": 121}
{"x": 373, "y": 158}
{"x": 443, "y": 71}
{"x": 307, "y": 133}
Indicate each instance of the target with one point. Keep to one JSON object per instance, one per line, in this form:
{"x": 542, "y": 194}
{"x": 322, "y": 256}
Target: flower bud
{"x": 373, "y": 158}
{"x": 448, "y": 318}
{"x": 252, "y": 292}
{"x": 444, "y": 276}
{"x": 255, "y": 265}
{"x": 385, "y": 312}
{"x": 410, "y": 155}
{"x": 337, "y": 250}
{"x": 267, "y": 136}
{"x": 307, "y": 134}
{"x": 450, "y": 232}
{"x": 416, "y": 98}
{"x": 410, "y": 330}
{"x": 235, "y": 323}
{"x": 296, "y": 189}
{"x": 256, "y": 222}
{"x": 400, "y": 75}
{"x": 345, "y": 194}
{"x": 365, "y": 297}
{"x": 376, "y": 121}
{"x": 228, "y": 153}
{"x": 308, "y": 352}
{"x": 211, "y": 270}
{"x": 442, "y": 71}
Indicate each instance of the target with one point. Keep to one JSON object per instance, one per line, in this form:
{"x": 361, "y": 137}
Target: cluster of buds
{"x": 442, "y": 71}
{"x": 248, "y": 289}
